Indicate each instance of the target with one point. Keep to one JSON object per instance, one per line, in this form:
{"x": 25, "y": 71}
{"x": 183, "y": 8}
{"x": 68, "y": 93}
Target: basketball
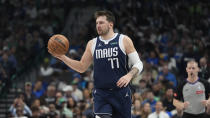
{"x": 58, "y": 44}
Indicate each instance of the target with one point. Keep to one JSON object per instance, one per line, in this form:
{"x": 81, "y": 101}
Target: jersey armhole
{"x": 121, "y": 44}
{"x": 93, "y": 46}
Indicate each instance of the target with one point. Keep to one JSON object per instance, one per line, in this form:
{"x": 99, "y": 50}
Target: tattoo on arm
{"x": 133, "y": 72}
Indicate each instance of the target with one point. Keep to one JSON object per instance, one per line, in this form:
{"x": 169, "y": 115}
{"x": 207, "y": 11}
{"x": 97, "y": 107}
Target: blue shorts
{"x": 113, "y": 102}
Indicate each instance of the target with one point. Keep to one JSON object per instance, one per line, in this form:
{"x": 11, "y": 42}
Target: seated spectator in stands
{"x": 168, "y": 102}
{"x": 76, "y": 93}
{"x": 8, "y": 65}
{"x": 136, "y": 108}
{"x": 87, "y": 97}
{"x": 142, "y": 87}
{"x": 43, "y": 110}
{"x": 3, "y": 74}
{"x": 90, "y": 86}
{"x": 20, "y": 113}
{"x": 79, "y": 81}
{"x": 12, "y": 56}
{"x": 58, "y": 95}
{"x": 166, "y": 75}
{"x": 147, "y": 76}
{"x": 204, "y": 69}
{"x": 158, "y": 90}
{"x": 153, "y": 58}
{"x": 38, "y": 89}
{"x": 35, "y": 112}
{"x": 68, "y": 92}
{"x": 150, "y": 99}
{"x": 145, "y": 111}
{"x": 28, "y": 96}
{"x": 53, "y": 112}
{"x": 71, "y": 103}
{"x": 159, "y": 113}
{"x": 148, "y": 68}
{"x": 18, "y": 102}
{"x": 45, "y": 69}
{"x": 49, "y": 97}
{"x": 65, "y": 112}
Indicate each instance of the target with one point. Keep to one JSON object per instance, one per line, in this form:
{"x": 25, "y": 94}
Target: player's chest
{"x": 196, "y": 89}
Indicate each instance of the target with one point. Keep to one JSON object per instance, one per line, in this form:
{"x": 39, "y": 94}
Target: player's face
{"x": 102, "y": 25}
{"x": 192, "y": 69}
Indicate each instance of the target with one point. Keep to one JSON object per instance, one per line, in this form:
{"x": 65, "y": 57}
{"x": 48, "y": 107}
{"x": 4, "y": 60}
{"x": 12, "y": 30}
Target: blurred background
{"x": 166, "y": 34}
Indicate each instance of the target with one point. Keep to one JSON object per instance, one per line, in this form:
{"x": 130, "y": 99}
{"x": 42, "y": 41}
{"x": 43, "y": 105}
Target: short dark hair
{"x": 109, "y": 15}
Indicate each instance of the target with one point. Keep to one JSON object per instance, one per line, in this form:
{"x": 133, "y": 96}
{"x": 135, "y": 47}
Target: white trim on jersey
{"x": 121, "y": 44}
{"x": 93, "y": 46}
{"x": 107, "y": 41}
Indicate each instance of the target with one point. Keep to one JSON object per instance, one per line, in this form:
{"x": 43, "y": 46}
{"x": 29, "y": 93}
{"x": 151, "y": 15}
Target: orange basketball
{"x": 58, "y": 44}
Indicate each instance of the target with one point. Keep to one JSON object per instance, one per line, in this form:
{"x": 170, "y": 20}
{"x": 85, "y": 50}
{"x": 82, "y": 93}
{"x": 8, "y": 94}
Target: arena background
{"x": 166, "y": 33}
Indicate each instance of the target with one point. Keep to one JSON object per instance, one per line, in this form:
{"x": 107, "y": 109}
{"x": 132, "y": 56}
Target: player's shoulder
{"x": 92, "y": 41}
{"x": 203, "y": 81}
{"x": 126, "y": 39}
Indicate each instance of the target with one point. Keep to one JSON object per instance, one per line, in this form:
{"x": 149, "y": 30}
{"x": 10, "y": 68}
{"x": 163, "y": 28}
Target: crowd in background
{"x": 166, "y": 35}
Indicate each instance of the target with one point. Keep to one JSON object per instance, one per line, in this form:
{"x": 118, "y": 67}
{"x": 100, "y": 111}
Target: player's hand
{"x": 186, "y": 104}
{"x": 124, "y": 80}
{"x": 56, "y": 55}
{"x": 183, "y": 106}
{"x": 206, "y": 103}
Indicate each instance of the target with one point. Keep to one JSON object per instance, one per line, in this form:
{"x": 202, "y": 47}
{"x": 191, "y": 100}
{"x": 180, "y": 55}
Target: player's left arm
{"x": 207, "y": 92}
{"x": 133, "y": 57}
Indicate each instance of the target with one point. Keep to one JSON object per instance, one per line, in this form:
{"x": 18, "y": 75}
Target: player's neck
{"x": 192, "y": 79}
{"x": 108, "y": 36}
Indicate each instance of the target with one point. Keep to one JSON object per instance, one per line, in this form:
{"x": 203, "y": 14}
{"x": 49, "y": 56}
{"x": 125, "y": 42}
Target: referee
{"x": 192, "y": 95}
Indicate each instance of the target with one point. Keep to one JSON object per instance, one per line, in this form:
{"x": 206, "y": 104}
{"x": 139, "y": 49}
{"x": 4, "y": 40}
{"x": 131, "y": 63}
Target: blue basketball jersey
{"x": 110, "y": 62}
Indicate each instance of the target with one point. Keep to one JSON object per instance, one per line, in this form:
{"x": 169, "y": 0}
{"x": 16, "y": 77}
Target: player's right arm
{"x": 180, "y": 105}
{"x": 79, "y": 66}
{"x": 178, "y": 96}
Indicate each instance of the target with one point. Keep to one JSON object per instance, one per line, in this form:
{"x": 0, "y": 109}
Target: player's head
{"x": 192, "y": 68}
{"x": 104, "y": 22}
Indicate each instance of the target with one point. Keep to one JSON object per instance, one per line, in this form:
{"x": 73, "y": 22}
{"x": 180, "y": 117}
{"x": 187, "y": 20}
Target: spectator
{"x": 159, "y": 113}
{"x": 136, "y": 108}
{"x": 77, "y": 93}
{"x": 168, "y": 102}
{"x": 145, "y": 111}
{"x": 20, "y": 113}
{"x": 150, "y": 99}
{"x": 165, "y": 75}
{"x": 65, "y": 112}
{"x": 53, "y": 112}
{"x": 38, "y": 89}
{"x": 204, "y": 70}
{"x": 28, "y": 96}
{"x": 49, "y": 97}
{"x": 142, "y": 86}
{"x": 19, "y": 104}
{"x": 8, "y": 65}
{"x": 35, "y": 112}
{"x": 68, "y": 92}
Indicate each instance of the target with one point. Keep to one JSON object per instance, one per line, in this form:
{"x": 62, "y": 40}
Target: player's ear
{"x": 198, "y": 69}
{"x": 111, "y": 24}
{"x": 186, "y": 69}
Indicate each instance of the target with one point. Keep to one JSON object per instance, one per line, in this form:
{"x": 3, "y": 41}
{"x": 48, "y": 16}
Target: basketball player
{"x": 192, "y": 95}
{"x": 108, "y": 53}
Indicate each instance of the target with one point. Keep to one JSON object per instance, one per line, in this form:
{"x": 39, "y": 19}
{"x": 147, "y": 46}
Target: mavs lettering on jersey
{"x": 110, "y": 62}
{"x": 104, "y": 53}
{"x": 109, "y": 53}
